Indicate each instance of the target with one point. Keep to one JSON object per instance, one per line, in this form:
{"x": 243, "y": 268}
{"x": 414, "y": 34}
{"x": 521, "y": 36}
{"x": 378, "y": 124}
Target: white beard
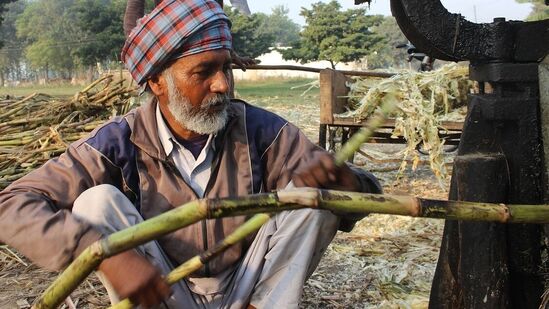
{"x": 196, "y": 118}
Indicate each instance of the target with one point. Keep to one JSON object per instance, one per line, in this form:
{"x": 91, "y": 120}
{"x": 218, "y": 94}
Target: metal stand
{"x": 500, "y": 156}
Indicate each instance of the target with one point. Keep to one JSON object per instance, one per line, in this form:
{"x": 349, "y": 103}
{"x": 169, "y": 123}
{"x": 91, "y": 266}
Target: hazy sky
{"x": 486, "y": 10}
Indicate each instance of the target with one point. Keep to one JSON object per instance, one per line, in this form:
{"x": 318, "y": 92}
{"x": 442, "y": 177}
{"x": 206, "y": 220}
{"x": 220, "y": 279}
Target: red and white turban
{"x": 175, "y": 28}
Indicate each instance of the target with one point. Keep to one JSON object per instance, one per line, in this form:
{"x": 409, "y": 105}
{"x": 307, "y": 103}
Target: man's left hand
{"x": 323, "y": 173}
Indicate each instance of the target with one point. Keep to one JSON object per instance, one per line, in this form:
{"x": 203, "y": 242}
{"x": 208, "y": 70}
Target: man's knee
{"x": 322, "y": 219}
{"x": 96, "y": 200}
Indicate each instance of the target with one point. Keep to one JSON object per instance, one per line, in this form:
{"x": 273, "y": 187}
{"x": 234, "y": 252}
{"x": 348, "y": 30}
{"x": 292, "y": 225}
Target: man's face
{"x": 195, "y": 91}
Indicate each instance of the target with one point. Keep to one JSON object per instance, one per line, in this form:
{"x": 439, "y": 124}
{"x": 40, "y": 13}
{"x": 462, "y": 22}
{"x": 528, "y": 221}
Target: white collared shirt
{"x": 195, "y": 172}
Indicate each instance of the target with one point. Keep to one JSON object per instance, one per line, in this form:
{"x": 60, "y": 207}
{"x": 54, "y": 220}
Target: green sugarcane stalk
{"x": 18, "y": 142}
{"x": 16, "y": 135}
{"x": 118, "y": 242}
{"x": 195, "y": 263}
{"x": 339, "y": 202}
{"x": 13, "y": 111}
{"x": 362, "y": 136}
{"x": 143, "y": 232}
{"x": 95, "y": 83}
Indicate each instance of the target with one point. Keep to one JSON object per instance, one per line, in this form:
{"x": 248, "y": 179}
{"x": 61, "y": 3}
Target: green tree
{"x": 281, "y": 27}
{"x": 3, "y": 8}
{"x": 248, "y": 38}
{"x": 385, "y": 54}
{"x": 10, "y": 52}
{"x": 49, "y": 27}
{"x": 334, "y": 35}
{"x": 540, "y": 11}
{"x": 102, "y": 35}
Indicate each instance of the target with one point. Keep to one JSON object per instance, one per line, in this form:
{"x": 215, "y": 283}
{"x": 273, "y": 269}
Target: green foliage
{"x": 10, "y": 53}
{"x": 385, "y": 54}
{"x": 248, "y": 38}
{"x": 62, "y": 35}
{"x": 49, "y": 27}
{"x": 101, "y": 24}
{"x": 540, "y": 11}
{"x": 3, "y": 8}
{"x": 281, "y": 27}
{"x": 334, "y": 35}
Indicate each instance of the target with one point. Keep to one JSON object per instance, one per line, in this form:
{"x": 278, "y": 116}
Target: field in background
{"x": 270, "y": 87}
{"x": 53, "y": 90}
{"x": 297, "y": 100}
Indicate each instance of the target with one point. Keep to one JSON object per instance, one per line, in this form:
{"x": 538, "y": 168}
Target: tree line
{"x": 42, "y": 39}
{"x": 45, "y": 39}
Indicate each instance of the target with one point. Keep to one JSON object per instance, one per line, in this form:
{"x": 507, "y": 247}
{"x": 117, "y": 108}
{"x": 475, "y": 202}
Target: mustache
{"x": 215, "y": 100}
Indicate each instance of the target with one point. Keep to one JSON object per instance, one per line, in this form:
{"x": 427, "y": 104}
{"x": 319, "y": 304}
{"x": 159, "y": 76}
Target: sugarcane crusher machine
{"x": 501, "y": 156}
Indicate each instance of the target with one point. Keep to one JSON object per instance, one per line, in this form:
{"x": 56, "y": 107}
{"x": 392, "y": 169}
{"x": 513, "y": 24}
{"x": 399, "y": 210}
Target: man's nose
{"x": 220, "y": 84}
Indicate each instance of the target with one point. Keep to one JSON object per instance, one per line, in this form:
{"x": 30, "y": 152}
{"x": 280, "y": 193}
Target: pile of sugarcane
{"x": 423, "y": 101}
{"x": 38, "y": 127}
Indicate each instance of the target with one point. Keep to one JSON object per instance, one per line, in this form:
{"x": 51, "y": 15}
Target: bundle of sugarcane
{"x": 423, "y": 101}
{"x": 38, "y": 127}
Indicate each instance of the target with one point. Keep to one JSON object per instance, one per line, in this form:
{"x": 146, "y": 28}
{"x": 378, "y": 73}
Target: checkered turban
{"x": 175, "y": 28}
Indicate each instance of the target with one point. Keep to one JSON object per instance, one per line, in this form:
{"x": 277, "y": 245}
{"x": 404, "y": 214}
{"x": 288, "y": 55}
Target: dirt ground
{"x": 385, "y": 262}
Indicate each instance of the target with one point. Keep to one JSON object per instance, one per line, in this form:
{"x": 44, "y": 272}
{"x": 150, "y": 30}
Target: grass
{"x": 53, "y": 90}
{"x": 287, "y": 98}
{"x": 282, "y": 89}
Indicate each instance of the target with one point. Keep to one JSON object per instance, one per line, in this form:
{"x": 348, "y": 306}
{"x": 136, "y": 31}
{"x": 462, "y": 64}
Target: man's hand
{"x": 133, "y": 277}
{"x": 322, "y": 173}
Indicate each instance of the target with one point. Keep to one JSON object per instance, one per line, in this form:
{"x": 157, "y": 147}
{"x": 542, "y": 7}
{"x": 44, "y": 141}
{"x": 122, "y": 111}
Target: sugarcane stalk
{"x": 17, "y": 142}
{"x": 107, "y": 97}
{"x": 25, "y": 99}
{"x": 362, "y": 136}
{"x": 12, "y": 136}
{"x": 118, "y": 242}
{"x": 8, "y": 171}
{"x": 12, "y": 112}
{"x": 95, "y": 83}
{"x": 195, "y": 263}
{"x": 335, "y": 201}
{"x": 29, "y": 120}
{"x": 148, "y": 230}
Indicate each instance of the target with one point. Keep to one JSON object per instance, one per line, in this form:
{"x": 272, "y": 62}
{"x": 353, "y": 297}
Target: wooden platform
{"x": 333, "y": 102}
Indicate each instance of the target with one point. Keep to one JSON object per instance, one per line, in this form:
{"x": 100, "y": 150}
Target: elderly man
{"x": 190, "y": 141}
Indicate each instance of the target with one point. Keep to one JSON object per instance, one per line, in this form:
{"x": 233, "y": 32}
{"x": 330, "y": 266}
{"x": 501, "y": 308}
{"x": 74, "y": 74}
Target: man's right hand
{"x": 134, "y": 277}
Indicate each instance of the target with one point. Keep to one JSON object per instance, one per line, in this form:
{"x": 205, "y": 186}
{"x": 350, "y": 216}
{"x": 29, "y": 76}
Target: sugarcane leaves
{"x": 424, "y": 100}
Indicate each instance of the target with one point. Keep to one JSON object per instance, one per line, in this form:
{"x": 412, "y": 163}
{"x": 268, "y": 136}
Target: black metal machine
{"x": 500, "y": 156}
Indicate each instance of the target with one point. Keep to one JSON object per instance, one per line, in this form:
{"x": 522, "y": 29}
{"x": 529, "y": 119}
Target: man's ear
{"x": 157, "y": 83}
